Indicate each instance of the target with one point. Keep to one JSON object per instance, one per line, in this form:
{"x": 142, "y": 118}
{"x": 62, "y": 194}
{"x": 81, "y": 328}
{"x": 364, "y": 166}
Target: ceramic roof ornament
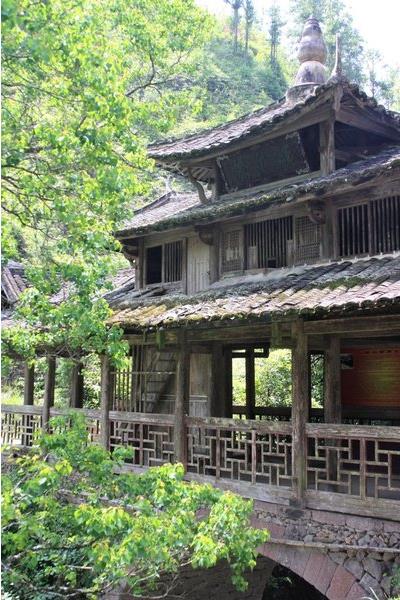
{"x": 312, "y": 56}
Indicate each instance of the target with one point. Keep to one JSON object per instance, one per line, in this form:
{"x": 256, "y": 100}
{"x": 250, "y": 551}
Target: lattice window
{"x": 371, "y": 227}
{"x": 164, "y": 263}
{"x": 307, "y": 240}
{"x": 173, "y": 262}
{"x": 353, "y": 223}
{"x": 385, "y": 218}
{"x": 266, "y": 243}
{"x": 232, "y": 252}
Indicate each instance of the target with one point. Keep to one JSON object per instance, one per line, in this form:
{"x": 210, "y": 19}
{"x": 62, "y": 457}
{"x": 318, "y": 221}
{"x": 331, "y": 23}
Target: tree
{"x": 274, "y": 30}
{"x": 383, "y": 81}
{"x": 335, "y": 19}
{"x": 249, "y": 16}
{"x": 85, "y": 84}
{"x": 236, "y": 5}
{"x": 72, "y": 528}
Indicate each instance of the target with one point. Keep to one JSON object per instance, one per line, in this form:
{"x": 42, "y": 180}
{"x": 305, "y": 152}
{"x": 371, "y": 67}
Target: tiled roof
{"x": 13, "y": 282}
{"x": 259, "y": 121}
{"x": 167, "y": 206}
{"x": 123, "y": 280}
{"x": 178, "y": 209}
{"x": 335, "y": 287}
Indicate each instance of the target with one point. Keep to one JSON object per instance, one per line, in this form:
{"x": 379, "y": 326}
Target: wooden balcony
{"x": 346, "y": 468}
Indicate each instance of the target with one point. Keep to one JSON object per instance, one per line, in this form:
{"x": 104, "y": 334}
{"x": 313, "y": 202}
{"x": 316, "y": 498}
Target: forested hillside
{"x": 250, "y": 60}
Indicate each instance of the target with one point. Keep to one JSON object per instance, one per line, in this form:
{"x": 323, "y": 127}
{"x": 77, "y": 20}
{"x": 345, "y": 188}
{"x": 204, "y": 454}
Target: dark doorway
{"x": 286, "y": 585}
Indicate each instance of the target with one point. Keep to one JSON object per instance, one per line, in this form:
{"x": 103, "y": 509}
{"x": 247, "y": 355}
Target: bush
{"x": 74, "y": 528}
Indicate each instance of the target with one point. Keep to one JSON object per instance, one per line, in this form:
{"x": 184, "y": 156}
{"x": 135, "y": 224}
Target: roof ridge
{"x": 218, "y": 127}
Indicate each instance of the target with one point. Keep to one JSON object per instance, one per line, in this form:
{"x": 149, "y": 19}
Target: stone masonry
{"x": 343, "y": 556}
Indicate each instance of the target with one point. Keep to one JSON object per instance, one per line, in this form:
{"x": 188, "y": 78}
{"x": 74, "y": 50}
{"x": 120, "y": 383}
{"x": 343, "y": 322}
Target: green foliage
{"x": 273, "y": 380}
{"x": 84, "y": 87}
{"x": 72, "y": 526}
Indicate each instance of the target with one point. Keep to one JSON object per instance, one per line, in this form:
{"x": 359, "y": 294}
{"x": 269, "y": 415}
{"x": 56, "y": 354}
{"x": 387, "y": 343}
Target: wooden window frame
{"x": 163, "y": 282}
{"x": 372, "y": 240}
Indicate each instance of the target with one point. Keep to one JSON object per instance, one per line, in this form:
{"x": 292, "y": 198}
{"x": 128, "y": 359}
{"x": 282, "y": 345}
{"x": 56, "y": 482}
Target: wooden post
{"x": 300, "y": 408}
{"x": 332, "y": 400}
{"x": 228, "y": 383}
{"x": 218, "y": 400}
{"x": 250, "y": 384}
{"x": 332, "y": 391}
{"x": 49, "y": 387}
{"x": 327, "y": 146}
{"x": 181, "y": 401}
{"x": 105, "y": 400}
{"x": 29, "y": 383}
{"x": 76, "y": 389}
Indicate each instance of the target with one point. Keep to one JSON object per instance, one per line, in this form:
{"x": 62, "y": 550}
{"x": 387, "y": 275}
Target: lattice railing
{"x": 250, "y": 451}
{"x": 92, "y": 417}
{"x": 356, "y": 461}
{"x": 150, "y": 436}
{"x": 19, "y": 424}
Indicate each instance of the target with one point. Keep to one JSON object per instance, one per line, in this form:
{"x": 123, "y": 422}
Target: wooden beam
{"x": 300, "y": 408}
{"x": 105, "y": 401}
{"x": 382, "y": 324}
{"x": 49, "y": 387}
{"x": 327, "y": 146}
{"x": 367, "y": 122}
{"x": 29, "y": 384}
{"x": 181, "y": 401}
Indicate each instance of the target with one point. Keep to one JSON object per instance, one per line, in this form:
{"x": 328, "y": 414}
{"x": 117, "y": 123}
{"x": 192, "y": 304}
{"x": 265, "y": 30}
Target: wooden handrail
{"x": 238, "y": 425}
{"x": 22, "y": 409}
{"x": 372, "y": 432}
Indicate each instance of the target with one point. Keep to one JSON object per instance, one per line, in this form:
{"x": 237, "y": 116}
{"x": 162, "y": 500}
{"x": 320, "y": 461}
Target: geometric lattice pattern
{"x": 239, "y": 454}
{"x": 153, "y": 444}
{"x": 307, "y": 240}
{"x": 365, "y": 468}
{"x": 18, "y": 429}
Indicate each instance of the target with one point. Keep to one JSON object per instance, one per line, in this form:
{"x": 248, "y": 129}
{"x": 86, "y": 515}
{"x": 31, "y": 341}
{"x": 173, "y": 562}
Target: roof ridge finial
{"x": 337, "y": 72}
{"x": 312, "y": 56}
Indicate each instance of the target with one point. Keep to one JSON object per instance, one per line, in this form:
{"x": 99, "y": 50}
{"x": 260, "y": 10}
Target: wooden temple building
{"x": 289, "y": 239}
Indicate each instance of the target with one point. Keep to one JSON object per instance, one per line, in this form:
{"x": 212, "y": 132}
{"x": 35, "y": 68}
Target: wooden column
{"x": 76, "y": 389}
{"x": 332, "y": 401}
{"x": 250, "y": 384}
{"x": 49, "y": 387}
{"x": 105, "y": 401}
{"x": 181, "y": 401}
{"x": 29, "y": 384}
{"x": 218, "y": 392}
{"x": 300, "y": 408}
{"x": 332, "y": 383}
{"x": 228, "y": 383}
{"x": 327, "y": 146}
